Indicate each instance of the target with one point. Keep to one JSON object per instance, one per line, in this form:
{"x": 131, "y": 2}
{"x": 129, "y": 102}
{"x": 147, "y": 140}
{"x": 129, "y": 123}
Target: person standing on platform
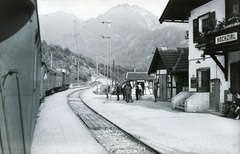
{"x": 140, "y": 91}
{"x": 143, "y": 87}
{"x": 118, "y": 90}
{"x": 124, "y": 91}
{"x": 128, "y": 89}
{"x": 155, "y": 91}
{"x": 137, "y": 92}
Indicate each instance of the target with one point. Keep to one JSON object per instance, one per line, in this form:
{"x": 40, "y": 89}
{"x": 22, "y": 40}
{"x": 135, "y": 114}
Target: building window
{"x": 193, "y": 82}
{"x": 232, "y": 11}
{"x": 203, "y": 79}
{"x": 235, "y": 77}
{"x": 202, "y": 25}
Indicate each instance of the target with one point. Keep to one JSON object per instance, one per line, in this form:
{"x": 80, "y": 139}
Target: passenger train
{"x": 24, "y": 77}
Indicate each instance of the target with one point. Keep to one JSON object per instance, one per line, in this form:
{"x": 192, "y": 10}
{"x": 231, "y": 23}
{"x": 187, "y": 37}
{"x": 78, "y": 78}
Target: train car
{"x": 51, "y": 80}
{"x": 66, "y": 80}
{"x": 44, "y": 80}
{"x": 58, "y": 81}
{"x": 20, "y": 69}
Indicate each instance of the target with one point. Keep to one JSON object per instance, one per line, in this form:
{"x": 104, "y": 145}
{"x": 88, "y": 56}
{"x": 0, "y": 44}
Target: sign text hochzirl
{"x": 226, "y": 38}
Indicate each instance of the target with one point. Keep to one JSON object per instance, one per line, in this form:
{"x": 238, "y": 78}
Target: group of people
{"x": 231, "y": 108}
{"x": 126, "y": 90}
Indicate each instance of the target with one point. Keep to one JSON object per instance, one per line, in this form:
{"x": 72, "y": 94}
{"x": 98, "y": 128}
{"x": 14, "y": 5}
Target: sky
{"x": 86, "y": 9}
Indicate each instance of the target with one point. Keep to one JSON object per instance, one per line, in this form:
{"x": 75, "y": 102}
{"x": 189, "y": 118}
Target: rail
{"x": 110, "y": 136}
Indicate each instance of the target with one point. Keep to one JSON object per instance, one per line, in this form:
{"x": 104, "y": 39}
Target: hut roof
{"x": 138, "y": 76}
{"x": 171, "y": 59}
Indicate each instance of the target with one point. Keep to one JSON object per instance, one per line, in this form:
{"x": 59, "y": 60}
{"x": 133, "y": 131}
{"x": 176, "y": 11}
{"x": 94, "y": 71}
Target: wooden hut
{"x": 170, "y": 67}
{"x": 143, "y": 78}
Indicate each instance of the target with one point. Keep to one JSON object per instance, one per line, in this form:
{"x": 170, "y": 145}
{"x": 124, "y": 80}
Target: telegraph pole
{"x": 109, "y": 47}
{"x": 97, "y": 64}
{"x": 75, "y": 36}
{"x": 110, "y": 52}
{"x": 51, "y": 60}
{"x": 78, "y": 72}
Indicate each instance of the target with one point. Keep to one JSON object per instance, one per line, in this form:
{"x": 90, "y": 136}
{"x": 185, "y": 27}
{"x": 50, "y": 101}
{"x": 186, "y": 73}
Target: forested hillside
{"x": 64, "y": 58}
{"x": 135, "y": 33}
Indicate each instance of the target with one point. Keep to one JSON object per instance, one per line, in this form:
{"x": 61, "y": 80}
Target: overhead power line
{"x": 88, "y": 29}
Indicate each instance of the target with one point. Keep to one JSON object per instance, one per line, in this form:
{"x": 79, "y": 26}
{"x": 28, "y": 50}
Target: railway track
{"x": 110, "y": 136}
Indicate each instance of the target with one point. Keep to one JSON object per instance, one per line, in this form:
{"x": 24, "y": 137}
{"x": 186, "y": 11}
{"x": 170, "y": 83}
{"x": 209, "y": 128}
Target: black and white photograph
{"x": 119, "y": 77}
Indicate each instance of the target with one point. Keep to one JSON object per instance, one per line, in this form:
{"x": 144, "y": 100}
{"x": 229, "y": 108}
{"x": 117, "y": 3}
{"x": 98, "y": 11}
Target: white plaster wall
{"x": 233, "y": 57}
{"x": 198, "y": 102}
{"x": 180, "y": 98}
{"x": 215, "y": 72}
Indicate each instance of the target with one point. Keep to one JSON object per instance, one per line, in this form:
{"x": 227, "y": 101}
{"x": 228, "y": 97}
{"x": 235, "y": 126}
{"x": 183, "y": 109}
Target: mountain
{"x": 135, "y": 33}
{"x": 128, "y": 17}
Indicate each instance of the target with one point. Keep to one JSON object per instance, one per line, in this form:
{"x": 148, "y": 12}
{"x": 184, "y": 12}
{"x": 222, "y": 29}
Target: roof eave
{"x": 181, "y": 12}
{"x": 177, "y": 21}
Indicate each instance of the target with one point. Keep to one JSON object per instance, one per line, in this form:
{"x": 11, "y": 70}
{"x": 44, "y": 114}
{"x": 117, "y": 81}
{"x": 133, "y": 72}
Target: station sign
{"x": 226, "y": 38}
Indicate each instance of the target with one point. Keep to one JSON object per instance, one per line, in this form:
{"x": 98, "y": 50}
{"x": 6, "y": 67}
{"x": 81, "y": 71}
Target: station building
{"x": 214, "y": 51}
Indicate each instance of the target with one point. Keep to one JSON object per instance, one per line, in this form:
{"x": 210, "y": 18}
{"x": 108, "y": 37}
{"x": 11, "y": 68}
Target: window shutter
{"x": 235, "y": 77}
{"x": 195, "y": 30}
{"x": 212, "y": 20}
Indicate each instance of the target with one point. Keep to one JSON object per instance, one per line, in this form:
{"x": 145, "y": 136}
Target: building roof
{"x": 138, "y": 76}
{"x": 171, "y": 59}
{"x": 179, "y": 10}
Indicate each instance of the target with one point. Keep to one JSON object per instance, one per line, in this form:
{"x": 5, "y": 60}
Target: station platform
{"x": 58, "y": 130}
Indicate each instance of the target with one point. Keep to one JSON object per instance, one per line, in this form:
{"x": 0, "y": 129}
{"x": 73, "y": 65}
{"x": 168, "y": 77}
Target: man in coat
{"x": 124, "y": 91}
{"x": 128, "y": 90}
{"x": 118, "y": 91}
{"x": 155, "y": 90}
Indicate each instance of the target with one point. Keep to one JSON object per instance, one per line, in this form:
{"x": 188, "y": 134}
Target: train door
{"x": 4, "y": 144}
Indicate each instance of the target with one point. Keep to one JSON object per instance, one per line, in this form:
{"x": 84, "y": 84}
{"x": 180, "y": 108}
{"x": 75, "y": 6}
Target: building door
{"x": 162, "y": 86}
{"x": 214, "y": 94}
{"x": 203, "y": 79}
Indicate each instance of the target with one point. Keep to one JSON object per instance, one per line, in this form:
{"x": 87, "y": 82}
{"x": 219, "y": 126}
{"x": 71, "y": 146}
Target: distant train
{"x": 52, "y": 80}
{"x": 24, "y": 78}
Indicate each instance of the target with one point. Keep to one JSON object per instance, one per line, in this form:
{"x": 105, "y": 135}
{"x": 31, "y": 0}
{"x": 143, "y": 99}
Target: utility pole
{"x": 109, "y": 47}
{"x": 75, "y": 36}
{"x": 110, "y": 53}
{"x": 97, "y": 64}
{"x": 78, "y": 72}
{"x": 51, "y": 60}
{"x": 113, "y": 70}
